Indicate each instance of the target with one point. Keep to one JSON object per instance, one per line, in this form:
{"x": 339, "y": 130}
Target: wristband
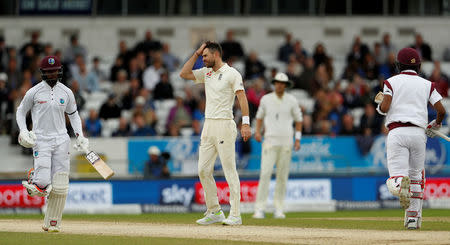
{"x": 298, "y": 135}
{"x": 246, "y": 120}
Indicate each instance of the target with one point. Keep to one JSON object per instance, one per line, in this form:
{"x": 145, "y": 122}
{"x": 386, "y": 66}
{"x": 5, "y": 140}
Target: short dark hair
{"x": 213, "y": 46}
{"x": 402, "y": 67}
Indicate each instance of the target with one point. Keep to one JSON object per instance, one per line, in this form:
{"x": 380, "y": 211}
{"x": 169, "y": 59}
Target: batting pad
{"x": 57, "y": 199}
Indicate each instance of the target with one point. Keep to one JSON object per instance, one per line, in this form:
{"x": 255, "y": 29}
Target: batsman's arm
{"x": 22, "y": 110}
{"x": 440, "y": 112}
{"x": 75, "y": 121}
{"x": 186, "y": 71}
{"x": 386, "y": 103}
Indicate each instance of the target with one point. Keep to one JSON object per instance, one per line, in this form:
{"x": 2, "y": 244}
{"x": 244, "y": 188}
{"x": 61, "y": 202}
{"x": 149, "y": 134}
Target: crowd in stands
{"x": 145, "y": 97}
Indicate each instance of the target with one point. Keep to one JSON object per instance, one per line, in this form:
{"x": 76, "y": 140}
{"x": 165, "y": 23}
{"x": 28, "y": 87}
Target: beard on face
{"x": 210, "y": 64}
{"x": 51, "y": 82}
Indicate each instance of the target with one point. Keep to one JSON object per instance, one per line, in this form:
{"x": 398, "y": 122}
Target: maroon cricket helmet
{"x": 408, "y": 56}
{"x": 50, "y": 63}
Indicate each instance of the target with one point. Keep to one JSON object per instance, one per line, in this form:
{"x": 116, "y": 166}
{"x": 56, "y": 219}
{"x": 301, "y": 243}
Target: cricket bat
{"x": 102, "y": 168}
{"x": 440, "y": 134}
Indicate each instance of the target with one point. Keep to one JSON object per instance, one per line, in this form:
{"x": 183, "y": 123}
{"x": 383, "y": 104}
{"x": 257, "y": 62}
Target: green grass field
{"x": 434, "y": 220}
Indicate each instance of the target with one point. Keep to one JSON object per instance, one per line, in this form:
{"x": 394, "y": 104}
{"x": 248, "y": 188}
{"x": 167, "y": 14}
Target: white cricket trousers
{"x": 219, "y": 137}
{"x": 406, "y": 148}
{"x": 271, "y": 155}
{"x": 51, "y": 155}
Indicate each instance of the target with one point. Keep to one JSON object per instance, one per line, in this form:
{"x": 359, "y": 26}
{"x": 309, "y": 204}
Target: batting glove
{"x": 432, "y": 126}
{"x": 27, "y": 139}
{"x": 379, "y": 97}
{"x": 379, "y": 111}
{"x": 82, "y": 144}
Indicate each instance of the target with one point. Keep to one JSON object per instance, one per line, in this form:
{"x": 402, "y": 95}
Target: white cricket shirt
{"x": 410, "y": 96}
{"x": 220, "y": 90}
{"x": 278, "y": 115}
{"x": 47, "y": 107}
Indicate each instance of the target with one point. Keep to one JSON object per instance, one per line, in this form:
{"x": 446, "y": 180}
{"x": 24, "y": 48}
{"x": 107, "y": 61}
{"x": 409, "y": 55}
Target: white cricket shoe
{"x": 232, "y": 220}
{"x": 278, "y": 214}
{"x": 211, "y": 218}
{"x": 34, "y": 190}
{"x": 404, "y": 193}
{"x": 258, "y": 215}
{"x": 412, "y": 224}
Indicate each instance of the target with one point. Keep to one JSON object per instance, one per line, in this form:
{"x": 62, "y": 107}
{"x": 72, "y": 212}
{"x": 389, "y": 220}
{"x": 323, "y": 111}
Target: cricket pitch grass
{"x": 342, "y": 227}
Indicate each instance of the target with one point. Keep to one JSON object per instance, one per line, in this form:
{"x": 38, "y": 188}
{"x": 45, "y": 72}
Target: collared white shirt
{"x": 410, "y": 96}
{"x": 220, "y": 90}
{"x": 278, "y": 115}
{"x": 47, "y": 107}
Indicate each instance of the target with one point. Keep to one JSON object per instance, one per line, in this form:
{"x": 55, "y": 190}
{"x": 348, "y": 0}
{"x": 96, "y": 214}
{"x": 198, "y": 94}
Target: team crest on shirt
{"x": 36, "y": 154}
{"x": 61, "y": 101}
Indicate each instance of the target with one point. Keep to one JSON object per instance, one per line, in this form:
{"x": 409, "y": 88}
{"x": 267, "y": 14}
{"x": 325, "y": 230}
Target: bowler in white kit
{"x": 278, "y": 110}
{"x": 49, "y": 101}
{"x": 222, "y": 84}
{"x": 404, "y": 102}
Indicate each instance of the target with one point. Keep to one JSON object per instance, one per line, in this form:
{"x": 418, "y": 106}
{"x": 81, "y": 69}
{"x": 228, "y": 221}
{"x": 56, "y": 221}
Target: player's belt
{"x": 400, "y": 124}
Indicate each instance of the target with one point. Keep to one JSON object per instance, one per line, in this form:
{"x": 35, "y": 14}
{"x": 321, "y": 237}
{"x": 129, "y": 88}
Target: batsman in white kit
{"x": 404, "y": 103}
{"x": 48, "y": 101}
{"x": 222, "y": 84}
{"x": 278, "y": 110}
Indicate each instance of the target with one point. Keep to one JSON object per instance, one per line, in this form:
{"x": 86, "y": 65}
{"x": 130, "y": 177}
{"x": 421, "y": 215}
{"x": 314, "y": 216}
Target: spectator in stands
{"x": 370, "y": 68}
{"x": 156, "y": 166}
{"x": 254, "y": 94}
{"x": 87, "y": 79}
{"x": 97, "y": 70}
{"x": 28, "y": 78}
{"x": 320, "y": 57}
{"x": 135, "y": 71}
{"x": 122, "y": 85}
{"x": 131, "y": 94}
{"x": 67, "y": 74}
{"x": 152, "y": 75}
{"x": 358, "y": 51}
{"x": 370, "y": 119}
{"x": 171, "y": 62}
{"x": 163, "y": 90}
{"x": 13, "y": 74}
{"x": 48, "y": 49}
{"x": 389, "y": 69}
{"x": 179, "y": 115}
{"x": 306, "y": 79}
{"x": 440, "y": 80}
{"x": 422, "y": 48}
{"x": 232, "y": 49}
{"x": 110, "y": 109}
{"x": 253, "y": 66}
{"x": 307, "y": 125}
{"x": 299, "y": 52}
{"x": 198, "y": 117}
{"x": 285, "y": 50}
{"x": 73, "y": 50}
{"x": 324, "y": 128}
{"x": 123, "y": 130}
{"x": 141, "y": 128}
{"x": 3, "y": 54}
{"x": 124, "y": 53}
{"x": 387, "y": 48}
{"x": 377, "y": 53}
{"x": 348, "y": 127}
{"x": 4, "y": 101}
{"x": 34, "y": 43}
{"x": 338, "y": 110}
{"x": 144, "y": 106}
{"x": 92, "y": 125}
{"x": 27, "y": 58}
{"x": 118, "y": 65}
{"x": 321, "y": 78}
{"x": 75, "y": 87}
{"x": 148, "y": 45}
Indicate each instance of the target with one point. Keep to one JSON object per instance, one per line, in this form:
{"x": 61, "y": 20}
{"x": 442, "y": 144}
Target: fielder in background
{"x": 222, "y": 84}
{"x": 48, "y": 101}
{"x": 404, "y": 103}
{"x": 278, "y": 110}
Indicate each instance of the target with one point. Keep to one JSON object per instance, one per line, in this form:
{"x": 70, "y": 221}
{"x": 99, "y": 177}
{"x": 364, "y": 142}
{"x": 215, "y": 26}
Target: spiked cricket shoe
{"x": 232, "y": 220}
{"x": 404, "y": 192}
{"x": 211, "y": 218}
